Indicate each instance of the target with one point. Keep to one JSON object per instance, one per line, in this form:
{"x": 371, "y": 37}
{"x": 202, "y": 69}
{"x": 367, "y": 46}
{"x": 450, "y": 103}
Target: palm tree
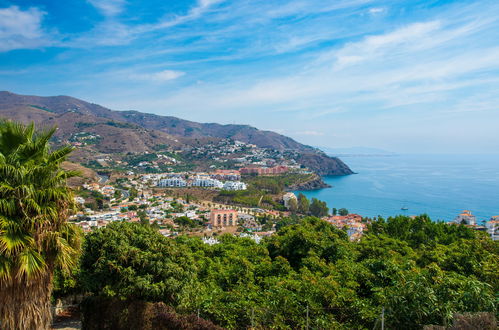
{"x": 35, "y": 237}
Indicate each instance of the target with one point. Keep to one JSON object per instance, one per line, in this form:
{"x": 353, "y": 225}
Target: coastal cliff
{"x": 314, "y": 183}
{"x": 323, "y": 164}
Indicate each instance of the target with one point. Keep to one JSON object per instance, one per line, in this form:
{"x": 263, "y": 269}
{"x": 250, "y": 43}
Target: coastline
{"x": 316, "y": 183}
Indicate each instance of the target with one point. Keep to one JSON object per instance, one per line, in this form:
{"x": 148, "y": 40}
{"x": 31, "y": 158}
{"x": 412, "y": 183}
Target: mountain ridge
{"x": 135, "y": 131}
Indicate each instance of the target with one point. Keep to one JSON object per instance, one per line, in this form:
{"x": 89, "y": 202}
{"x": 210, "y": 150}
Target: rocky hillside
{"x": 133, "y": 131}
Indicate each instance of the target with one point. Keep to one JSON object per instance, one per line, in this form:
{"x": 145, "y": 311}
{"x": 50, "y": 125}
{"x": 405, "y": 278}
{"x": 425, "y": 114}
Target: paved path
{"x": 67, "y": 324}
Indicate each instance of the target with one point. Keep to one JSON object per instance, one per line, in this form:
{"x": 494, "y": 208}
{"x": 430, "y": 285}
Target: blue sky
{"x": 406, "y": 76}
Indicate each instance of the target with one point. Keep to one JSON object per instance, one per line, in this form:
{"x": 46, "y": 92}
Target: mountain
{"x": 137, "y": 132}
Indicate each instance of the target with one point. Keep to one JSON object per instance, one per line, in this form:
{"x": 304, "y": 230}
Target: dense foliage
{"x": 276, "y": 184}
{"x": 421, "y": 272}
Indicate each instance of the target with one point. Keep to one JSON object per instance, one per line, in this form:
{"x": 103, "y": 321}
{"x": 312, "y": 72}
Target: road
{"x": 103, "y": 179}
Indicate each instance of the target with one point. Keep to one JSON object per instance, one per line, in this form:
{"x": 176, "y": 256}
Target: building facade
{"x": 232, "y": 175}
{"x": 493, "y": 227}
{"x": 223, "y": 218}
{"x": 206, "y": 181}
{"x": 276, "y": 170}
{"x": 172, "y": 182}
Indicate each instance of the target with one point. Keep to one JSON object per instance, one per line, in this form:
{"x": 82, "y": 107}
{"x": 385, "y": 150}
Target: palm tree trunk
{"x": 25, "y": 304}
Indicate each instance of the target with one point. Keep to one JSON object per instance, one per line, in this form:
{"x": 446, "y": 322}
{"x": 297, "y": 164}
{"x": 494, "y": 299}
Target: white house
{"x": 234, "y": 185}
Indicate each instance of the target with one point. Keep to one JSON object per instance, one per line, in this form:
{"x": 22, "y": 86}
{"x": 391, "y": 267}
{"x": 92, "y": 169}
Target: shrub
{"x": 109, "y": 313}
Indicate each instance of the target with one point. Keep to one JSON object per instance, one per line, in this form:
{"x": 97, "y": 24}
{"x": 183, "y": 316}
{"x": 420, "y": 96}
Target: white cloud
{"x": 108, "y": 7}
{"x": 22, "y": 29}
{"x": 376, "y": 10}
{"x": 160, "y": 76}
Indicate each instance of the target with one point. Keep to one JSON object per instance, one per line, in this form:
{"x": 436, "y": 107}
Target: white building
{"x": 288, "y": 197}
{"x": 172, "y": 182}
{"x": 493, "y": 227}
{"x": 210, "y": 240}
{"x": 80, "y": 200}
{"x": 202, "y": 181}
{"x": 465, "y": 218}
{"x": 234, "y": 185}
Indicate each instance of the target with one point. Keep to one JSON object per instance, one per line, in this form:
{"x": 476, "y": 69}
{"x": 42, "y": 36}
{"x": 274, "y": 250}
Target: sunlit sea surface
{"x": 438, "y": 185}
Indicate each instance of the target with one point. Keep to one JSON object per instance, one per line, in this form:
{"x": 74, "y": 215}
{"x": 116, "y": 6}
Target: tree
{"x": 303, "y": 204}
{"x": 318, "y": 208}
{"x": 144, "y": 219}
{"x": 117, "y": 194}
{"x": 184, "y": 221}
{"x": 293, "y": 205}
{"x": 343, "y": 212}
{"x": 133, "y": 194}
{"x": 335, "y": 211}
{"x": 35, "y": 237}
{"x": 145, "y": 265}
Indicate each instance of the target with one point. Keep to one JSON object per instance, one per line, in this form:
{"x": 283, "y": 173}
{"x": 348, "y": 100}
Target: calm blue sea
{"x": 438, "y": 185}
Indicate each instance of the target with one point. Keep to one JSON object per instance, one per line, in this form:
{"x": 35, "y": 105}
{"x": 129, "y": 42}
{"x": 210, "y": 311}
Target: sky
{"x": 405, "y": 76}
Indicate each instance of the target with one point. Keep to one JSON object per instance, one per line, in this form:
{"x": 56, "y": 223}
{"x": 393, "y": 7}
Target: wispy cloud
{"x": 378, "y": 45}
{"x": 195, "y": 12}
{"x": 22, "y": 29}
{"x": 160, "y": 76}
{"x": 109, "y": 7}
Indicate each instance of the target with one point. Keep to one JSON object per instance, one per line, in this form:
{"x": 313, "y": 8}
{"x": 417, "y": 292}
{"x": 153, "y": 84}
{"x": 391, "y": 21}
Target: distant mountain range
{"x": 137, "y": 132}
{"x": 356, "y": 151}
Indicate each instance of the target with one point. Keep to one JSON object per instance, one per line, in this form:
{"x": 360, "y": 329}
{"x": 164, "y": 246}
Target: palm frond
{"x": 30, "y": 263}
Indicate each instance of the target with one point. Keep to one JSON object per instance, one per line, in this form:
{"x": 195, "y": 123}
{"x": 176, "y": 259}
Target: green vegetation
{"x": 35, "y": 238}
{"x": 251, "y": 197}
{"x": 277, "y": 184}
{"x": 318, "y": 208}
{"x": 41, "y": 108}
{"x": 186, "y": 222}
{"x": 136, "y": 159}
{"x": 343, "y": 212}
{"x": 81, "y": 124}
{"x": 421, "y": 272}
{"x": 265, "y": 191}
{"x": 303, "y": 204}
{"x": 122, "y": 125}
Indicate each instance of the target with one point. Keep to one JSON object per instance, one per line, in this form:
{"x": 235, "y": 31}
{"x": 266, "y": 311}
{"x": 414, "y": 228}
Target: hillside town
{"x": 225, "y": 154}
{"x": 174, "y": 215}
{"x": 180, "y": 214}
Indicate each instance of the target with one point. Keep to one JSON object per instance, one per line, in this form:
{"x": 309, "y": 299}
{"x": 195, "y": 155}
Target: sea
{"x": 438, "y": 185}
